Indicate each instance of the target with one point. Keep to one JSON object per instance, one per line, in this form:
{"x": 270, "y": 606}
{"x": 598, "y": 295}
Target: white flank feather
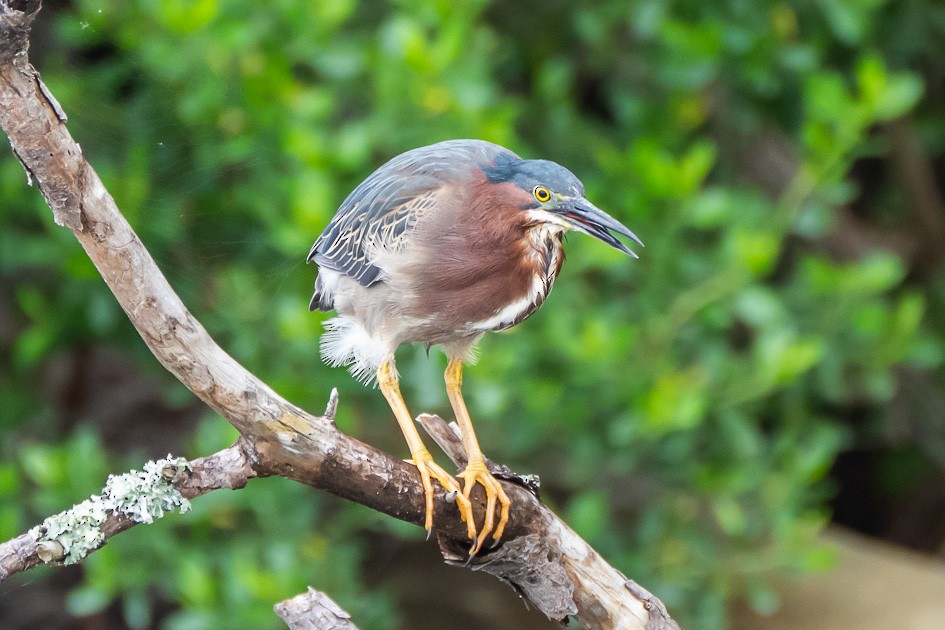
{"x": 347, "y": 342}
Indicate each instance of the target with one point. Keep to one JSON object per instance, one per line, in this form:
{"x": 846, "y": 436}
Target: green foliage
{"x": 681, "y": 409}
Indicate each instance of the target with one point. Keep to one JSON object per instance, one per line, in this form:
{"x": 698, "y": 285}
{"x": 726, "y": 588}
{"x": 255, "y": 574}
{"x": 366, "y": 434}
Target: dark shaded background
{"x": 773, "y": 362}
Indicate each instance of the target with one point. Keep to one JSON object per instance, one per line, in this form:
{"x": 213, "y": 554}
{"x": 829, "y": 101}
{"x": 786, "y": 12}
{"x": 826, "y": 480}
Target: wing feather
{"x": 378, "y": 216}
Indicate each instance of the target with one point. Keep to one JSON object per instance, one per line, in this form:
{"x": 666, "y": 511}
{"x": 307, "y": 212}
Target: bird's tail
{"x": 322, "y": 299}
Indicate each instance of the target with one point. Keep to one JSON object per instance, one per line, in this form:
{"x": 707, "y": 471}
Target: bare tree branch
{"x": 228, "y": 468}
{"x": 313, "y": 610}
{"x": 540, "y": 556}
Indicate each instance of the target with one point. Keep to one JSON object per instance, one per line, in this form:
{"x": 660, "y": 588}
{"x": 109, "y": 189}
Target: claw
{"x": 387, "y": 380}
{"x": 476, "y": 472}
{"x": 430, "y": 469}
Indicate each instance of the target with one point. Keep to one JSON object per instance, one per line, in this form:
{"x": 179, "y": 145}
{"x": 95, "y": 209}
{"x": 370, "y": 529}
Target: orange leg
{"x": 420, "y": 456}
{"x": 475, "y": 471}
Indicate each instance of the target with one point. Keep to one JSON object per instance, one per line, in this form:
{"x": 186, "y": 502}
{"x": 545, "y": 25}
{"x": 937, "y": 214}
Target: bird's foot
{"x": 474, "y": 473}
{"x": 430, "y": 469}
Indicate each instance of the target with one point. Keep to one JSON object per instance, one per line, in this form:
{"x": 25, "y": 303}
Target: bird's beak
{"x": 588, "y": 218}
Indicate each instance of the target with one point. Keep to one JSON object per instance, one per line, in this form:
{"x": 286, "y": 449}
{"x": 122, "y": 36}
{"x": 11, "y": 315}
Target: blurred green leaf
{"x": 86, "y": 601}
{"x": 587, "y": 514}
{"x": 720, "y": 372}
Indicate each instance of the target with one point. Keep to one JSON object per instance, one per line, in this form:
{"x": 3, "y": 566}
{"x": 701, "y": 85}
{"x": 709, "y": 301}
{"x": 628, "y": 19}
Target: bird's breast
{"x": 544, "y": 258}
{"x": 469, "y": 296}
{"x": 485, "y": 268}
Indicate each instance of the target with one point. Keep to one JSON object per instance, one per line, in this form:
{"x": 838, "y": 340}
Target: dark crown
{"x": 526, "y": 174}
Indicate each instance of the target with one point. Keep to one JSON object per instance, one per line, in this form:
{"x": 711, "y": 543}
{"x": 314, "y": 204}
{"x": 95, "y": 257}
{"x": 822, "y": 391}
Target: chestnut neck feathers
{"x": 463, "y": 290}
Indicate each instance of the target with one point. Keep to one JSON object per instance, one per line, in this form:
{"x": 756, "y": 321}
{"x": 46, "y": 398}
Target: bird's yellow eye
{"x": 542, "y": 194}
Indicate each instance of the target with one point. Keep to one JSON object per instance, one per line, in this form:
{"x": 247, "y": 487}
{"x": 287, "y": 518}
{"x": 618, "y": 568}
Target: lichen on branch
{"x": 141, "y": 496}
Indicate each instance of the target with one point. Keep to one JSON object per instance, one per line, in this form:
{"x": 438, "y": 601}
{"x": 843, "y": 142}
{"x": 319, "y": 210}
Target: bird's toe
{"x": 474, "y": 473}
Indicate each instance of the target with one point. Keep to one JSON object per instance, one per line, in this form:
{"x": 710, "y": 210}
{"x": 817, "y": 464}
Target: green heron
{"x": 438, "y": 246}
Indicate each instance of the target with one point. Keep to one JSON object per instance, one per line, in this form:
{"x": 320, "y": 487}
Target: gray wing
{"x": 379, "y": 214}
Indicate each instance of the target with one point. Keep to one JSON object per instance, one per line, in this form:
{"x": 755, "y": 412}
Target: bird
{"x": 438, "y": 246}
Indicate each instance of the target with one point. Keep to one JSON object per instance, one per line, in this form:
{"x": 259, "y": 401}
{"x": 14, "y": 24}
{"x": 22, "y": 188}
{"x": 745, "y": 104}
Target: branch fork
{"x": 546, "y": 561}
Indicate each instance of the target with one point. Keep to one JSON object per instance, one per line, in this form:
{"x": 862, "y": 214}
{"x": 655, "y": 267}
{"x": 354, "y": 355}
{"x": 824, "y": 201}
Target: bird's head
{"x": 556, "y": 197}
